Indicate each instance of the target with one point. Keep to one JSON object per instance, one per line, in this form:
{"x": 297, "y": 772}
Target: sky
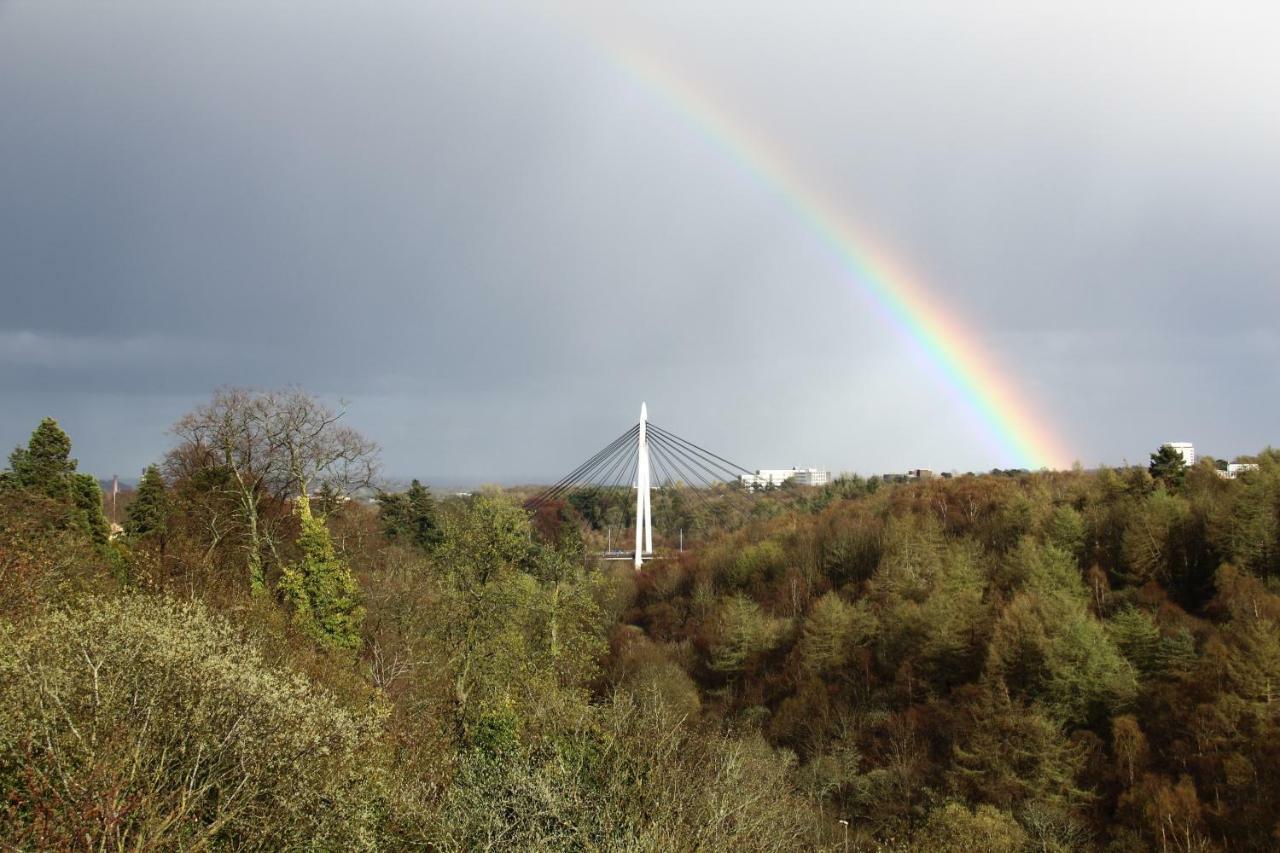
{"x": 487, "y": 232}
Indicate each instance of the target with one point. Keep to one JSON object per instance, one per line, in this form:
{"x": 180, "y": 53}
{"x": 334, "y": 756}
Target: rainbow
{"x": 953, "y": 350}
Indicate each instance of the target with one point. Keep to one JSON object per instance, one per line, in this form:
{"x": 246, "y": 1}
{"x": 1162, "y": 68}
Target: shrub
{"x": 144, "y": 722}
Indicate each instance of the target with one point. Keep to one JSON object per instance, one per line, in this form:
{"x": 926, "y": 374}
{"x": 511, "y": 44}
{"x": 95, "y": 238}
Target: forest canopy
{"x": 259, "y": 650}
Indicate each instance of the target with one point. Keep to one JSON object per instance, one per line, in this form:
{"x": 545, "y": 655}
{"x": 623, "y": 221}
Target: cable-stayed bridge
{"x": 629, "y": 462}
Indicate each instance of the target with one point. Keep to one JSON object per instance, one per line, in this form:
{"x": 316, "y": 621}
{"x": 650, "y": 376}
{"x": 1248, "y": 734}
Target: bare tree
{"x": 270, "y": 446}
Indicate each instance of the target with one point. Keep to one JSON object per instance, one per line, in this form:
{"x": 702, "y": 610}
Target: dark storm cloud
{"x": 468, "y": 222}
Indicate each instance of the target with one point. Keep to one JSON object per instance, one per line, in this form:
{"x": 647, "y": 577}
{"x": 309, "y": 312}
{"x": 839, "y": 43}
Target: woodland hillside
{"x": 1014, "y": 661}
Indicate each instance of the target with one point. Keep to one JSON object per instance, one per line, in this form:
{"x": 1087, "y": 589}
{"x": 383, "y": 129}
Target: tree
{"x": 1168, "y": 466}
{"x": 1129, "y": 745}
{"x": 86, "y": 495}
{"x": 410, "y": 517}
{"x": 45, "y": 464}
{"x": 320, "y": 587}
{"x": 831, "y": 632}
{"x": 954, "y": 828}
{"x": 742, "y": 633}
{"x": 45, "y": 467}
{"x": 515, "y": 626}
{"x": 272, "y": 445}
{"x": 148, "y": 512}
{"x": 1065, "y": 529}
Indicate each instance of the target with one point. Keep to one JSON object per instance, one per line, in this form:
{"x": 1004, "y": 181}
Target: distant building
{"x": 1186, "y": 449}
{"x": 920, "y": 474}
{"x": 812, "y": 477}
{"x": 1235, "y": 469}
{"x": 775, "y": 477}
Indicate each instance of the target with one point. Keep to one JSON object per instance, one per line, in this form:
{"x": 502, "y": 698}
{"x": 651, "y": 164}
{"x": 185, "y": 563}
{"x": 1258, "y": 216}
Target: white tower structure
{"x": 644, "y": 513}
{"x": 1185, "y": 449}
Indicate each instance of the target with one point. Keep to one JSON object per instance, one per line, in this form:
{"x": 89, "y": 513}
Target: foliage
{"x": 144, "y": 722}
{"x": 1168, "y": 466}
{"x": 147, "y": 514}
{"x": 45, "y": 468}
{"x": 955, "y": 828}
{"x": 45, "y": 464}
{"x": 257, "y": 450}
{"x": 1052, "y": 661}
{"x": 410, "y": 517}
{"x": 320, "y": 588}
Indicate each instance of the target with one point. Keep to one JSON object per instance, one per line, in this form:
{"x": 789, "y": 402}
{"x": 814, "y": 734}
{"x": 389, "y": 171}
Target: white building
{"x": 777, "y": 476}
{"x": 812, "y": 477}
{"x": 1235, "y": 469}
{"x": 1186, "y": 449}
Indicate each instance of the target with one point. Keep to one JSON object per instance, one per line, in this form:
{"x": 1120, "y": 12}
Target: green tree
{"x": 148, "y": 512}
{"x": 45, "y": 464}
{"x": 1009, "y": 754}
{"x": 515, "y": 626}
{"x": 410, "y": 517}
{"x": 954, "y": 828}
{"x": 742, "y": 632}
{"x": 491, "y": 536}
{"x": 45, "y": 467}
{"x": 1046, "y": 645}
{"x": 1065, "y": 529}
{"x": 320, "y": 587}
{"x": 831, "y": 632}
{"x": 87, "y": 498}
{"x": 1168, "y": 466}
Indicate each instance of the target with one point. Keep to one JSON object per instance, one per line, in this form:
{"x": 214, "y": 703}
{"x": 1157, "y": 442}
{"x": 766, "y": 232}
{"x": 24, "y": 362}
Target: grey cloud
{"x": 468, "y": 221}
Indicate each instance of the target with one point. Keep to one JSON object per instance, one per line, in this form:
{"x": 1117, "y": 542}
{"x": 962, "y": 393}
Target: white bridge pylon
{"x": 644, "y": 489}
{"x": 680, "y": 464}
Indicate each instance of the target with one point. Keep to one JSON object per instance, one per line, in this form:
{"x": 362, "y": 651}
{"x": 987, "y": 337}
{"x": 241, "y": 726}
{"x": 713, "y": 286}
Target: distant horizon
{"x": 457, "y": 484}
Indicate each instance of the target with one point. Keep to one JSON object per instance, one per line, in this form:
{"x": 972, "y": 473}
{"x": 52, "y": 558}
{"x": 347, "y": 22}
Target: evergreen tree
{"x": 87, "y": 498}
{"x": 45, "y": 467}
{"x": 1168, "y": 466}
{"x": 424, "y": 527}
{"x": 45, "y": 464}
{"x": 410, "y": 517}
{"x": 393, "y": 512}
{"x": 320, "y": 586}
{"x": 147, "y": 515}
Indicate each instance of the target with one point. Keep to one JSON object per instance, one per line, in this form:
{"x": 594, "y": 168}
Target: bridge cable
{"x": 576, "y": 474}
{"x": 706, "y": 504}
{"x": 733, "y": 466}
{"x": 586, "y": 478}
{"x": 690, "y": 458}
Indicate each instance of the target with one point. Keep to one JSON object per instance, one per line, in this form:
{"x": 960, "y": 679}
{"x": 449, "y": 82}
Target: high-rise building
{"x": 1186, "y": 449}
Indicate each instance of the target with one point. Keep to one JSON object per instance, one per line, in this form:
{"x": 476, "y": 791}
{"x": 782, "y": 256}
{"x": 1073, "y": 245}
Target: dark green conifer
{"x": 45, "y": 464}
{"x": 45, "y": 467}
{"x": 87, "y": 498}
{"x": 410, "y": 518}
{"x": 1168, "y": 466}
{"x": 147, "y": 515}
